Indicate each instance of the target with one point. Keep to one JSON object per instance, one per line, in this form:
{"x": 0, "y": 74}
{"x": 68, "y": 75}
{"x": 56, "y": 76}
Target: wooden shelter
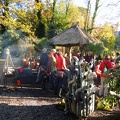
{"x": 73, "y": 36}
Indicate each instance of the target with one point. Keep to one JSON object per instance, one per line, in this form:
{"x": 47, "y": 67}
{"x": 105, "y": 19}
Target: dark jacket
{"x": 44, "y": 59}
{"x": 88, "y": 58}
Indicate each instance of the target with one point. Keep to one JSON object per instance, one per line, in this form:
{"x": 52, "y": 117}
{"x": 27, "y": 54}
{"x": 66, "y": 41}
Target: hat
{"x": 54, "y": 50}
{"x": 44, "y": 50}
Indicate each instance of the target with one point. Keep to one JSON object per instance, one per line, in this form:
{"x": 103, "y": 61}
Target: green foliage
{"x": 118, "y": 59}
{"x": 26, "y": 22}
{"x": 114, "y": 82}
{"x": 65, "y": 14}
{"x": 110, "y": 100}
{"x": 37, "y": 20}
{"x": 59, "y": 22}
{"x": 113, "y": 85}
{"x": 10, "y": 37}
{"x": 41, "y": 43}
{"x": 107, "y": 36}
{"x": 97, "y": 49}
{"x": 117, "y": 44}
{"x": 44, "y": 43}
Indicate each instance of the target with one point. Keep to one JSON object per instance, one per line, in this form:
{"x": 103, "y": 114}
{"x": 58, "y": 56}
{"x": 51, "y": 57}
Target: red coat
{"x": 103, "y": 64}
{"x": 60, "y": 63}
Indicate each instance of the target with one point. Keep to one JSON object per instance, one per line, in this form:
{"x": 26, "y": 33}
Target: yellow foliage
{"x": 107, "y": 107}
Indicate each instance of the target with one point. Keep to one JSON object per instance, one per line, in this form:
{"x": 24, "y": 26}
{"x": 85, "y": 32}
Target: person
{"x": 43, "y": 62}
{"x": 61, "y": 64}
{"x": 105, "y": 65}
{"x": 98, "y": 72}
{"x": 88, "y": 57}
{"x": 55, "y": 54}
{"x": 62, "y": 73}
{"x": 43, "y": 77}
{"x": 31, "y": 60}
{"x": 112, "y": 59}
{"x": 67, "y": 59}
{"x": 51, "y": 62}
{"x": 117, "y": 56}
{"x": 51, "y": 69}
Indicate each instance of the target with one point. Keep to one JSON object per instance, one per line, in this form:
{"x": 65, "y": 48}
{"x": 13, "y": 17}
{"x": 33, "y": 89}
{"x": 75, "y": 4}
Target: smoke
{"x": 17, "y": 52}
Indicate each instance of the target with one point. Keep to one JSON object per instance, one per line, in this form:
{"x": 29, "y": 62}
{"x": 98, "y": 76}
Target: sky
{"x": 109, "y": 12}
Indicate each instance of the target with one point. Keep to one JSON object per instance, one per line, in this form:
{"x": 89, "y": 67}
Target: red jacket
{"x": 105, "y": 63}
{"x": 60, "y": 63}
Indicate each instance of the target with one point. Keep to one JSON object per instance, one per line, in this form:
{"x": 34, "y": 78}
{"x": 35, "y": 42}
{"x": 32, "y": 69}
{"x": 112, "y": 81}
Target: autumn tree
{"x": 87, "y": 18}
{"x": 25, "y": 20}
{"x": 97, "y": 2}
{"x": 40, "y": 26}
{"x": 106, "y": 35}
{"x": 4, "y": 12}
{"x": 91, "y": 14}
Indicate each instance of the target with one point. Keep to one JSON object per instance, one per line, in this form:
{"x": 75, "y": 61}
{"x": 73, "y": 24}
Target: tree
{"x": 51, "y": 28}
{"x": 40, "y": 28}
{"x": 89, "y": 24}
{"x": 87, "y": 18}
{"x": 65, "y": 14}
{"x": 95, "y": 13}
{"x": 106, "y": 35}
{"x": 4, "y": 11}
{"x": 19, "y": 23}
{"x": 40, "y": 44}
{"x": 117, "y": 44}
{"x": 38, "y": 19}
{"x": 97, "y": 49}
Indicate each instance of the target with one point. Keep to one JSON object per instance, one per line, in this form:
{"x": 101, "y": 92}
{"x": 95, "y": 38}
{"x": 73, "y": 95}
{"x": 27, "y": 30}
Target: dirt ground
{"x": 31, "y": 103}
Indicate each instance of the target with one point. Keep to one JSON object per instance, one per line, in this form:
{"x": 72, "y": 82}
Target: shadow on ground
{"x": 43, "y": 112}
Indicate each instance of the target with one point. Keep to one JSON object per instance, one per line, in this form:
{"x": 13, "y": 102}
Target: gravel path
{"x": 30, "y": 109}
{"x": 31, "y": 103}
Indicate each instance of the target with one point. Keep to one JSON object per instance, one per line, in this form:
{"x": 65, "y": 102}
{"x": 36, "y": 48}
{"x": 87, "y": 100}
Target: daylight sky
{"x": 109, "y": 12}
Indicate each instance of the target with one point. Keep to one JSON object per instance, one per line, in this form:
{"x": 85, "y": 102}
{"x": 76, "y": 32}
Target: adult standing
{"x": 43, "y": 62}
{"x": 51, "y": 69}
{"x": 98, "y": 72}
{"x": 61, "y": 64}
{"x": 63, "y": 73}
{"x": 104, "y": 66}
{"x": 88, "y": 58}
{"x": 55, "y": 54}
{"x": 51, "y": 62}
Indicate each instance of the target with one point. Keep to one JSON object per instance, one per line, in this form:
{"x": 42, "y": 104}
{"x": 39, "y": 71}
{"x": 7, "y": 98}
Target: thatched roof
{"x": 73, "y": 36}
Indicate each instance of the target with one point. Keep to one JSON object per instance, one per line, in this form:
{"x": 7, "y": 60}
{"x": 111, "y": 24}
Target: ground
{"x": 31, "y": 103}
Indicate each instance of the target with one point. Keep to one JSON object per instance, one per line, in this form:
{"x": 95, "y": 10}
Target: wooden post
{"x": 63, "y": 49}
{"x": 70, "y": 54}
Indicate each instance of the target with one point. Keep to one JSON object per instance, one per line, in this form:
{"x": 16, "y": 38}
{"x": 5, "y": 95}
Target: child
{"x": 43, "y": 77}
